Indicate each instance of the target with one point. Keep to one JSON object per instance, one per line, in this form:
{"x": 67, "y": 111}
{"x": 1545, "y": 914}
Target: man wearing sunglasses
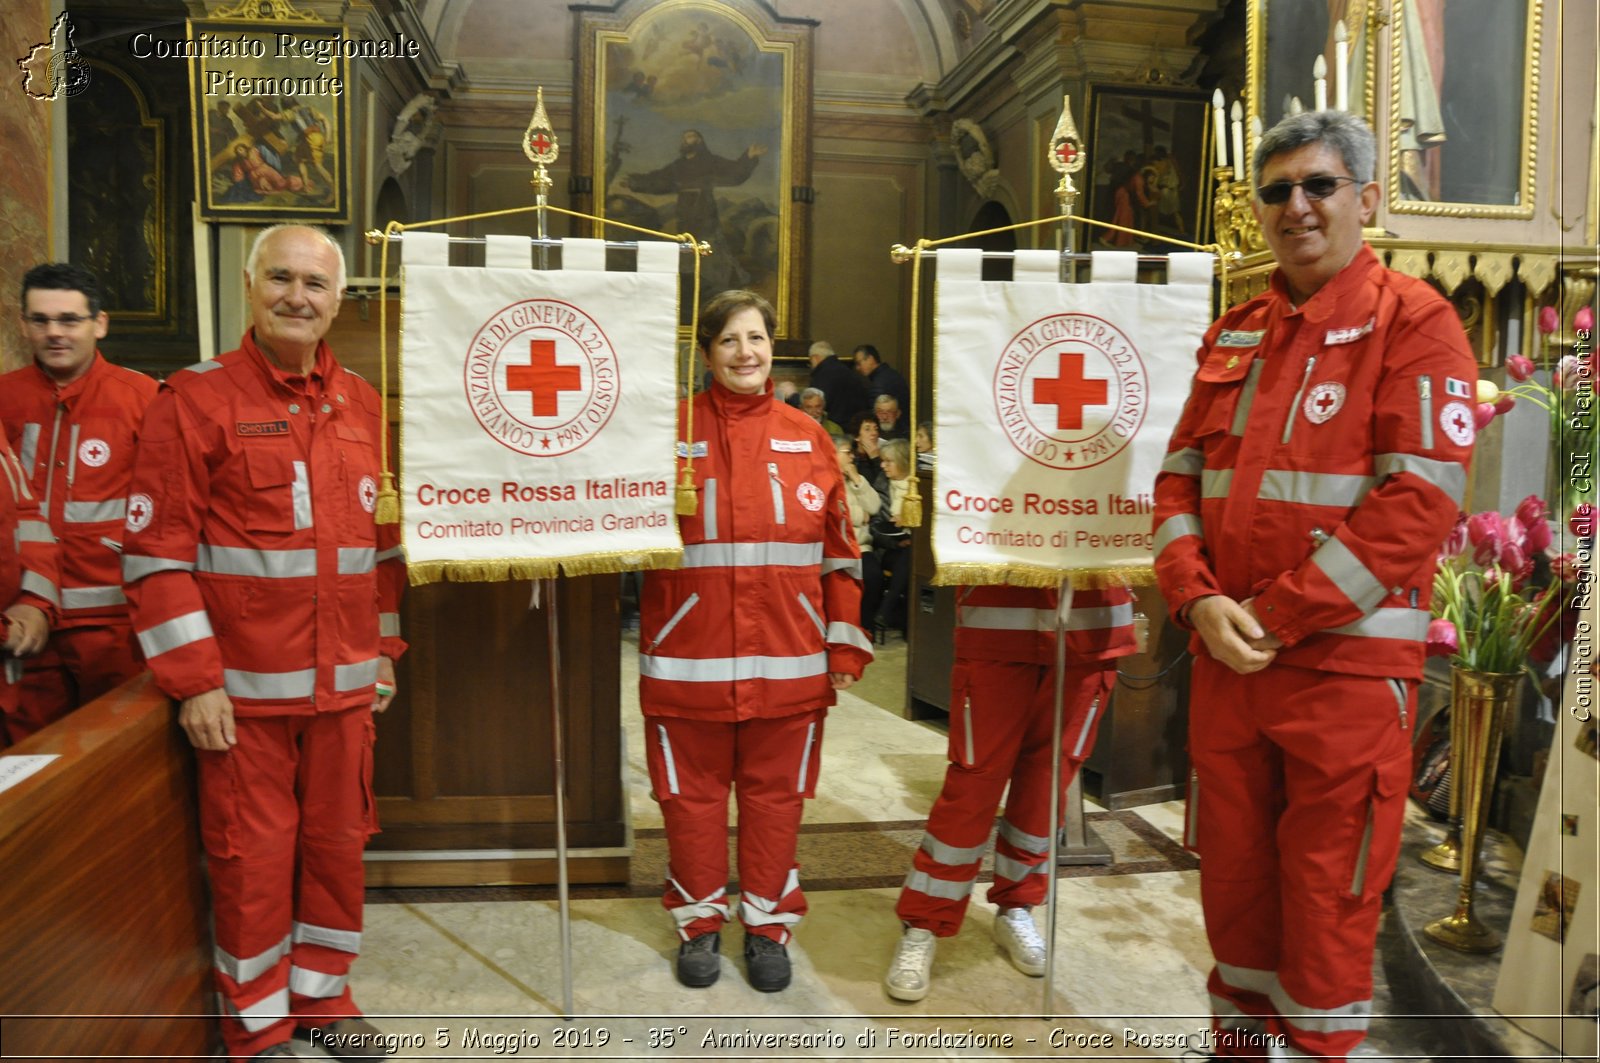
{"x": 71, "y": 418}
{"x": 1318, "y": 465}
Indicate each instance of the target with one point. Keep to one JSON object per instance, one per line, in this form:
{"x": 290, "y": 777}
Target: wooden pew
{"x": 105, "y": 934}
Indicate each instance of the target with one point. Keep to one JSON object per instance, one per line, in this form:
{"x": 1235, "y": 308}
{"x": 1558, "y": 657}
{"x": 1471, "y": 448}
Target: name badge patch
{"x": 1234, "y": 338}
{"x": 1336, "y": 336}
{"x": 697, "y": 451}
{"x": 792, "y": 446}
{"x": 261, "y": 428}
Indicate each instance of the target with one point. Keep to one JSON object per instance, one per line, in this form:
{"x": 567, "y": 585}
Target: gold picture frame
{"x": 1286, "y": 36}
{"x": 695, "y": 116}
{"x": 1150, "y": 155}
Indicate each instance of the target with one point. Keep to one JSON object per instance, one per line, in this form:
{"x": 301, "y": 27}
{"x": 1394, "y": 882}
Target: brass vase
{"x": 1446, "y": 856}
{"x": 1481, "y": 702}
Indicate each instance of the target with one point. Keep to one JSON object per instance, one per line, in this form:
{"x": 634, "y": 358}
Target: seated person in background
{"x": 891, "y": 425}
{"x": 923, "y": 441}
{"x": 892, "y": 541}
{"x": 786, "y": 392}
{"x": 865, "y": 500}
{"x": 864, "y": 433}
{"x": 812, "y": 401}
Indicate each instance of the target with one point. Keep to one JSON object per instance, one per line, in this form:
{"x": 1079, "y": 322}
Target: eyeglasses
{"x": 1320, "y": 187}
{"x": 44, "y": 321}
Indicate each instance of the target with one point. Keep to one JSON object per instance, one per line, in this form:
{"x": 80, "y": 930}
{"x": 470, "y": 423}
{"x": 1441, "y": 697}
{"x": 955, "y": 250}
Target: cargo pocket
{"x": 275, "y": 496}
{"x": 219, "y": 803}
{"x": 1378, "y": 846}
{"x": 369, "y": 742}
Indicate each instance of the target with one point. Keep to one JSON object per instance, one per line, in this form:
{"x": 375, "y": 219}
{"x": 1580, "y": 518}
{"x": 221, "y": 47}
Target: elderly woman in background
{"x": 865, "y": 499}
{"x": 891, "y": 539}
{"x": 865, "y": 434}
{"x": 741, "y": 649}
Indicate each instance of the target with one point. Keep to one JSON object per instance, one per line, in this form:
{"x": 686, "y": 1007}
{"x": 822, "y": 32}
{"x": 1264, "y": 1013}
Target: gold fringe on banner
{"x": 482, "y": 571}
{"x": 621, "y": 561}
{"x": 1018, "y": 574}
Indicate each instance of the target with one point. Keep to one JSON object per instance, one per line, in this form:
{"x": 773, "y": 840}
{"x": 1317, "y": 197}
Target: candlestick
{"x": 1255, "y": 135}
{"x": 1236, "y": 113}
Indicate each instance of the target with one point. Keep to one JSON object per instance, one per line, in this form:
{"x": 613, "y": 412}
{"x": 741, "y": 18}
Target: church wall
{"x": 25, "y": 200}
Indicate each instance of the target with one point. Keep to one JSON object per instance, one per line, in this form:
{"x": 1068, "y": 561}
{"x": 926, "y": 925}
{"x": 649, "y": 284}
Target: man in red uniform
{"x": 1002, "y": 722}
{"x": 1319, "y": 463}
{"x": 71, "y": 418}
{"x": 28, "y": 573}
{"x": 742, "y": 648}
{"x": 266, "y": 600}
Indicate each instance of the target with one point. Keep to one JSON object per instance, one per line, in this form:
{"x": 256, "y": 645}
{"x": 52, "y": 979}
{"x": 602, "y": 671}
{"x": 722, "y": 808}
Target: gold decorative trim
{"x": 264, "y": 11}
{"x": 1538, "y": 272}
{"x": 1451, "y": 268}
{"x": 1495, "y": 270}
{"x": 1413, "y": 263}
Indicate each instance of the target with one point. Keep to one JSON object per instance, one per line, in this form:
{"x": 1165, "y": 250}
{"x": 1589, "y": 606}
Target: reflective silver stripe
{"x": 953, "y": 855}
{"x": 852, "y": 565}
{"x": 1002, "y": 618}
{"x": 34, "y": 531}
{"x": 1093, "y": 618}
{"x": 847, "y": 634}
{"x": 263, "y": 1013}
{"x": 805, "y": 758}
{"x": 1409, "y": 624}
{"x": 91, "y": 597}
{"x": 1448, "y": 476}
{"x": 1088, "y": 726}
{"x": 1425, "y": 404}
{"x": 201, "y": 367}
{"x": 1021, "y": 839}
{"x": 922, "y": 882}
{"x": 1185, "y": 462}
{"x": 966, "y": 722}
{"x": 308, "y": 983}
{"x": 269, "y": 686}
{"x": 261, "y": 564}
{"x": 683, "y": 611}
{"x": 326, "y": 936}
{"x": 357, "y": 560}
{"x": 300, "y": 492}
{"x": 701, "y": 908}
{"x": 755, "y": 910}
{"x": 751, "y": 555}
{"x": 390, "y": 554}
{"x": 15, "y": 477}
{"x": 811, "y": 611}
{"x": 37, "y": 585}
{"x": 1015, "y": 870}
{"x": 777, "y": 494}
{"x": 1176, "y": 527}
{"x": 355, "y": 676}
{"x": 732, "y": 669}
{"x": 72, "y": 455}
{"x": 1346, "y": 572}
{"x": 30, "y": 447}
{"x": 1314, "y": 488}
{"x": 667, "y": 760}
{"x": 136, "y": 567}
{"x": 1358, "y": 880}
{"x": 171, "y": 634}
{"x": 1252, "y": 978}
{"x": 253, "y": 967}
{"x": 1191, "y": 822}
{"x": 709, "y": 516}
{"x": 90, "y": 512}
{"x": 1216, "y": 483}
{"x": 389, "y": 625}
{"x": 1247, "y": 396}
{"x": 1353, "y": 1016}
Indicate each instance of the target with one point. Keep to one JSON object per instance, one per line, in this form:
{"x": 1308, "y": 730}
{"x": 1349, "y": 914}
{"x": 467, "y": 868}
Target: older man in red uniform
{"x": 28, "y": 573}
{"x": 265, "y": 598}
{"x": 1319, "y": 463}
{"x": 71, "y": 418}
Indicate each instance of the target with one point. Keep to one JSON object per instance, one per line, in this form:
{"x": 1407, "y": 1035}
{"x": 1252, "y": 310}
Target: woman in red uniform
{"x": 742, "y": 648}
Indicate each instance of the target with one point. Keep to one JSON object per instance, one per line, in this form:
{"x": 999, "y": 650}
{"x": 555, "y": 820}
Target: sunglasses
{"x": 1321, "y": 187}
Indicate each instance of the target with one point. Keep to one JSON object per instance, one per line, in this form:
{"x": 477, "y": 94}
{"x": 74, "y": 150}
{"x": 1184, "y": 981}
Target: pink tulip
{"x": 1539, "y": 537}
{"x": 1442, "y": 638}
{"x": 1565, "y": 567}
{"x": 1549, "y": 319}
{"x": 1582, "y": 520}
{"x": 1519, "y": 366}
{"x": 1531, "y": 509}
{"x": 1456, "y": 541}
{"x": 1482, "y": 414}
{"x": 1568, "y": 370}
{"x": 1583, "y": 320}
{"x": 1515, "y": 560}
{"x": 1504, "y": 403}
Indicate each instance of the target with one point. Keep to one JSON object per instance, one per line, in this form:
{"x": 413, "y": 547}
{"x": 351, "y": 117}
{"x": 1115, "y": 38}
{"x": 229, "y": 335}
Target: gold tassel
{"x": 687, "y": 500}
{"x": 911, "y": 505}
{"x": 388, "y": 508}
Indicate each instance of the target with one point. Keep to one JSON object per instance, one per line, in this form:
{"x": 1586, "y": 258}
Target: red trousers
{"x": 1001, "y": 722}
{"x": 772, "y": 767}
{"x": 77, "y": 666}
{"x": 1301, "y": 792}
{"x": 284, "y": 816}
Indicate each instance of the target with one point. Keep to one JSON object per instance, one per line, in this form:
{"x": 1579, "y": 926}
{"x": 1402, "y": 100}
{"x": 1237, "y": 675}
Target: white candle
{"x": 1295, "y": 106}
{"x": 1341, "y": 66}
{"x": 1319, "y": 83}
{"x": 1236, "y": 113}
{"x": 1220, "y": 127}
{"x": 1255, "y": 135}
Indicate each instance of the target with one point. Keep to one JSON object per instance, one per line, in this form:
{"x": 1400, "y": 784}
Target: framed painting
{"x": 271, "y": 105}
{"x": 696, "y": 119}
{"x": 1149, "y": 153}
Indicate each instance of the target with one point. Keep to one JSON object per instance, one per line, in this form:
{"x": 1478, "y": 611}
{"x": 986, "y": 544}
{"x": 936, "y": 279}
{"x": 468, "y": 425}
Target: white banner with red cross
{"x": 1054, "y": 405}
{"x": 537, "y": 426}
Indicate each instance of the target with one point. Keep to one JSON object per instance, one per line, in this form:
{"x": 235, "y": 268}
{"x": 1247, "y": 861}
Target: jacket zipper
{"x": 1425, "y": 396}
{"x": 666, "y": 629}
{"x": 1294, "y": 408}
{"x": 50, "y": 461}
{"x": 777, "y": 493}
{"x": 1400, "y": 700}
{"x": 72, "y": 459}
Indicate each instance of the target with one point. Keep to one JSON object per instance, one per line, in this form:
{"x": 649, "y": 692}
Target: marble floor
{"x": 483, "y": 979}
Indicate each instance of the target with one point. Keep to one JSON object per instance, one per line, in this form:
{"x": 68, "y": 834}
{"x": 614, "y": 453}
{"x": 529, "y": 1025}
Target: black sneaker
{"x": 767, "y": 963}
{"x": 700, "y": 961}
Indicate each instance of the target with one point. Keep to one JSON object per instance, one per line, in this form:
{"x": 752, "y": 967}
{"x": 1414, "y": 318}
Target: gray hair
{"x": 897, "y": 451}
{"x": 813, "y": 393}
{"x": 1347, "y": 134}
{"x": 822, "y": 347}
{"x": 265, "y": 234}
{"x": 886, "y": 400}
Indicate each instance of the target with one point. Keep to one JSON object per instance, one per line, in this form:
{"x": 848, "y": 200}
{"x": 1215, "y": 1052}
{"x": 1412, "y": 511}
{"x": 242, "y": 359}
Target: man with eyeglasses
{"x": 1317, "y": 467}
{"x": 71, "y": 419}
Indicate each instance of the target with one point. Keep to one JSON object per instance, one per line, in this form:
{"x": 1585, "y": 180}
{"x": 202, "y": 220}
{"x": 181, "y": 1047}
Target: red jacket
{"x": 1318, "y": 465}
{"x": 252, "y": 560}
{"x": 28, "y": 558}
{"x": 76, "y": 444}
{"x": 1018, "y": 624}
{"x": 768, "y": 600}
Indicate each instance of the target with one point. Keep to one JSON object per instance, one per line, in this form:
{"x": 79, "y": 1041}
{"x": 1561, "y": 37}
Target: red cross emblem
{"x": 810, "y": 496}
{"x": 1070, "y": 393}
{"x": 543, "y": 378}
{"x": 539, "y": 142}
{"x": 1324, "y": 400}
{"x": 1456, "y": 420}
{"x": 367, "y": 490}
{"x": 94, "y": 452}
{"x": 140, "y": 510}
{"x": 1066, "y": 152}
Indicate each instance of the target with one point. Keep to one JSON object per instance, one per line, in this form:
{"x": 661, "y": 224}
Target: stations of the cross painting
{"x": 543, "y": 378}
{"x": 1070, "y": 392}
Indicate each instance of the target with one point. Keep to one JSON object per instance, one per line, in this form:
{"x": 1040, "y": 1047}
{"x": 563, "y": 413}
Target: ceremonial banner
{"x": 538, "y": 412}
{"x": 1054, "y": 404}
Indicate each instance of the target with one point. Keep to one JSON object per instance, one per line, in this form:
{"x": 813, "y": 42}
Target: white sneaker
{"x": 911, "y": 972}
{"x": 1014, "y": 930}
